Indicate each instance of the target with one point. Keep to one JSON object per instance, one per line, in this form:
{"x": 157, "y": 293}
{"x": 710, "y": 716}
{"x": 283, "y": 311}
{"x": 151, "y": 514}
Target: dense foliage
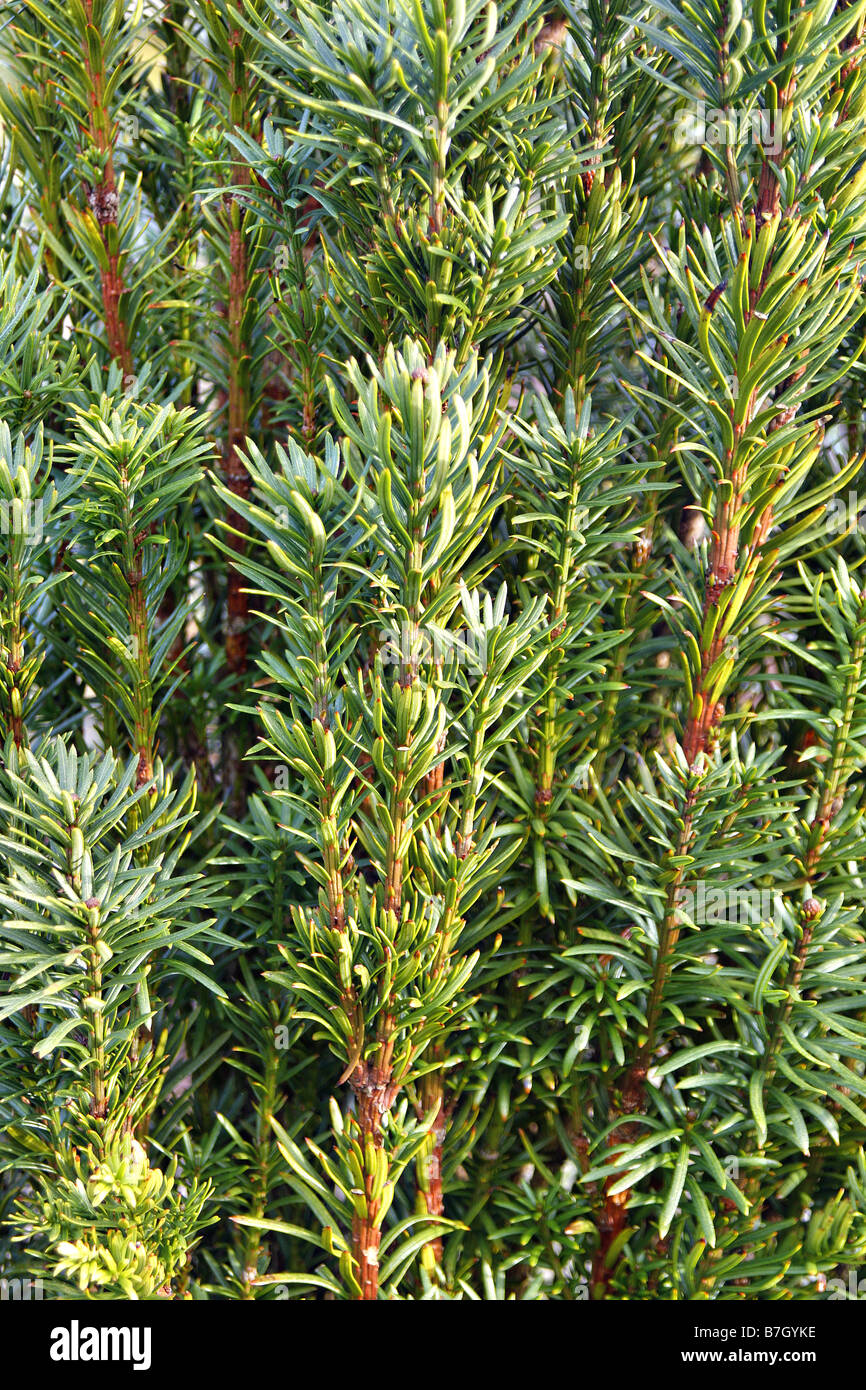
{"x": 432, "y": 641}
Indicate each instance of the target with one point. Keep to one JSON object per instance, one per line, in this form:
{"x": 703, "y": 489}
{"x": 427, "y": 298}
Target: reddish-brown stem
{"x": 104, "y": 205}
{"x": 375, "y": 1091}
{"x": 705, "y": 715}
{"x": 234, "y": 472}
{"x": 433, "y": 1097}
